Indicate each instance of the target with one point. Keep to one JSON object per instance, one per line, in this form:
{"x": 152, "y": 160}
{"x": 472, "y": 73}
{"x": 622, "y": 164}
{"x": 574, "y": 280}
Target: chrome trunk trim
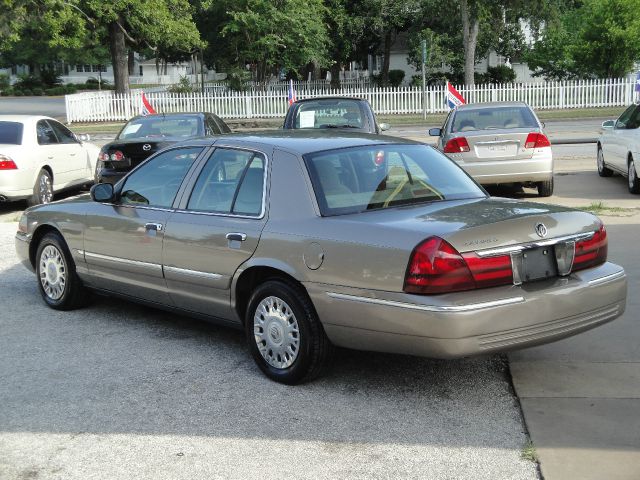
{"x": 428, "y": 308}
{"x": 492, "y": 252}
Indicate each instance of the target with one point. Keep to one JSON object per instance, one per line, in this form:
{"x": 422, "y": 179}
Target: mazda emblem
{"x": 541, "y": 230}
{"x": 146, "y": 147}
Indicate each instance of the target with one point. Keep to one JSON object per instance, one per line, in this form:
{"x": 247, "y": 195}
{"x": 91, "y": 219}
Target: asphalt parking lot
{"x": 121, "y": 391}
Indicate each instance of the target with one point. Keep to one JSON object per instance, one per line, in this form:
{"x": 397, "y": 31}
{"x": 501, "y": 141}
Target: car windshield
{"x": 162, "y": 126}
{"x": 10, "y": 133}
{"x": 330, "y": 113}
{"x": 489, "y": 118}
{"x": 352, "y": 180}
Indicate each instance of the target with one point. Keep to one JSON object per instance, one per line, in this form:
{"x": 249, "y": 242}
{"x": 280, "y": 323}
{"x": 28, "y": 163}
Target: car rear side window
{"x": 357, "y": 179}
{"x": 493, "y": 119}
{"x": 45, "y": 134}
{"x": 232, "y": 182}
{"x": 11, "y": 133}
{"x": 156, "y": 183}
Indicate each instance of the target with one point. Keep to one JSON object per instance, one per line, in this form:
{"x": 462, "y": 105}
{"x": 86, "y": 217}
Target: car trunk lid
{"x": 492, "y": 145}
{"x": 135, "y": 152}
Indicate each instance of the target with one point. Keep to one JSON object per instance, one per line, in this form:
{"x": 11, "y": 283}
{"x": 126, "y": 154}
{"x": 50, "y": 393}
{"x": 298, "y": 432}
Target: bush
{"x": 237, "y": 79}
{"x": 396, "y": 77}
{"x": 71, "y": 88}
{"x": 183, "y": 86}
{"x": 48, "y": 78}
{"x": 18, "y": 93}
{"x": 7, "y": 92}
{"x": 4, "y": 82}
{"x": 500, "y": 74}
{"x": 38, "y": 91}
{"x": 56, "y": 91}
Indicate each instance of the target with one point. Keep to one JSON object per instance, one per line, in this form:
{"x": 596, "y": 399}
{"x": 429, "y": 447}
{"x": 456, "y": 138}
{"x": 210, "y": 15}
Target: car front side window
{"x": 45, "y": 134}
{"x": 621, "y": 123}
{"x": 232, "y": 182}
{"x": 156, "y": 183}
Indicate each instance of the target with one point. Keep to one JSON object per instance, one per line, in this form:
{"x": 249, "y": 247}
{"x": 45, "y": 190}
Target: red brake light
{"x": 7, "y": 163}
{"x": 116, "y": 156}
{"x": 437, "y": 267}
{"x": 592, "y": 252}
{"x": 457, "y": 145}
{"x": 536, "y": 140}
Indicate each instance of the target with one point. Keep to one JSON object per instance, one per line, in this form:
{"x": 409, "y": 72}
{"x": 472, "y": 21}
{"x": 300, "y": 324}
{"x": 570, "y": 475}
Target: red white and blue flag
{"x": 291, "y": 97}
{"x": 454, "y": 99}
{"x": 145, "y": 106}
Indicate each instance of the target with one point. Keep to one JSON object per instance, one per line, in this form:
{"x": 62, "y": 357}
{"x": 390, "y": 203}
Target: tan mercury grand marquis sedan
{"x": 308, "y": 240}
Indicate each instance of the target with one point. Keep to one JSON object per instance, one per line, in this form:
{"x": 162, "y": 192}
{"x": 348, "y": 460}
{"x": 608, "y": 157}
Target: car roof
{"x": 482, "y": 106}
{"x": 22, "y": 118}
{"x": 336, "y": 97}
{"x": 299, "y": 141}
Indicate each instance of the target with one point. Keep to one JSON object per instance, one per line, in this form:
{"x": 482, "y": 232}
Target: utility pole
{"x": 424, "y": 79}
{"x": 202, "y": 70}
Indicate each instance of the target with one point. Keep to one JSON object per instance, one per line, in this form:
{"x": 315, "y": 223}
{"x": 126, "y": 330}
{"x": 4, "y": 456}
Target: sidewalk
{"x": 581, "y": 396}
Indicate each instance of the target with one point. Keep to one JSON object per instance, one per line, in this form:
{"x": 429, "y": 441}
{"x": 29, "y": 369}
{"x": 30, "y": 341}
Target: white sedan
{"x": 619, "y": 147}
{"x": 39, "y": 157}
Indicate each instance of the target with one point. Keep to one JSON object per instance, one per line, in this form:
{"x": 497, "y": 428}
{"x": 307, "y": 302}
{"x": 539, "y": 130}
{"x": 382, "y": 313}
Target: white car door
{"x": 49, "y": 153}
{"x": 616, "y": 153}
{"x": 74, "y": 167}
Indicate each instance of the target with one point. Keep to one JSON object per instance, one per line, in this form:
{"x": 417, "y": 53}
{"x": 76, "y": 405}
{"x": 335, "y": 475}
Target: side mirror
{"x": 83, "y": 137}
{"x": 384, "y": 126}
{"x": 608, "y": 124}
{"x": 102, "y": 192}
{"x": 435, "y": 132}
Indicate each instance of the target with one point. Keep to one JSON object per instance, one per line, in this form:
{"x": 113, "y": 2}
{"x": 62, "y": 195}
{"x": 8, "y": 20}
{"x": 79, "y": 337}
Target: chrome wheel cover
{"x": 632, "y": 174}
{"x": 45, "y": 189}
{"x": 53, "y": 272}
{"x": 600, "y": 160}
{"x": 276, "y": 332}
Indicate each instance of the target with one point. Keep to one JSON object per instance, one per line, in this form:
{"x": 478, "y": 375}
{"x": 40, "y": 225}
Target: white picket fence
{"x": 107, "y": 106}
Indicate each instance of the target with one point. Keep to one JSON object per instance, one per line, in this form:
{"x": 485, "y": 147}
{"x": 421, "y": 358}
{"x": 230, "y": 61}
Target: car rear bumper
{"x": 106, "y": 175}
{"x": 15, "y": 185}
{"x": 535, "y": 169}
{"x": 475, "y": 322}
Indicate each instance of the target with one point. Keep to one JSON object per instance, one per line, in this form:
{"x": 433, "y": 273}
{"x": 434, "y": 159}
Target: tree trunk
{"x": 335, "y": 75}
{"x": 387, "y": 54}
{"x": 470, "y": 25}
{"x": 131, "y": 61}
{"x": 119, "y": 58}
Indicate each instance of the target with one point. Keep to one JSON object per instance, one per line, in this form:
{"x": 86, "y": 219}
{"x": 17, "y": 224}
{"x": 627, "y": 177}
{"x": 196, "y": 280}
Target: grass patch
{"x": 529, "y": 452}
{"x": 600, "y": 208}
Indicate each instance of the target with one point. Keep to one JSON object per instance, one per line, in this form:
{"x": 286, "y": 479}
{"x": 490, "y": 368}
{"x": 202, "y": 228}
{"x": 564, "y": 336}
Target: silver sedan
{"x": 619, "y": 147}
{"x": 307, "y": 241}
{"x": 499, "y": 143}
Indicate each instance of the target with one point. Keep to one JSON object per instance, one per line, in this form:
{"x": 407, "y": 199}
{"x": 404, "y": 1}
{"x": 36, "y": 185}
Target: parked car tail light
{"x": 536, "y": 140}
{"x": 592, "y": 252}
{"x": 116, "y": 156}
{"x": 437, "y": 267}
{"x": 457, "y": 145}
{"x": 6, "y": 163}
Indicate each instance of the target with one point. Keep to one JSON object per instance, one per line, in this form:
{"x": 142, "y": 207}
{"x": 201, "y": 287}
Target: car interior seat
{"x": 466, "y": 125}
{"x": 330, "y": 178}
{"x": 249, "y": 199}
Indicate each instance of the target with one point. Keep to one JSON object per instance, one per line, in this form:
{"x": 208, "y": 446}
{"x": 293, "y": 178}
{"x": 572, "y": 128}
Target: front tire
{"x": 634, "y": 182}
{"x": 603, "y": 170}
{"x": 42, "y": 190}
{"x": 545, "y": 189}
{"x": 284, "y": 334}
{"x": 58, "y": 282}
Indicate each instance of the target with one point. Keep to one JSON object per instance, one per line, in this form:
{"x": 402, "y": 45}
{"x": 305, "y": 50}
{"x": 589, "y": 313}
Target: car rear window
{"x": 357, "y": 179}
{"x": 10, "y": 133}
{"x": 161, "y": 126}
{"x": 493, "y": 119}
{"x": 330, "y": 114}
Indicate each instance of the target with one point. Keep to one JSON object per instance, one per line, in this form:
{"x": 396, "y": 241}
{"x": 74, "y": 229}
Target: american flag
{"x": 145, "y": 106}
{"x": 292, "y": 94}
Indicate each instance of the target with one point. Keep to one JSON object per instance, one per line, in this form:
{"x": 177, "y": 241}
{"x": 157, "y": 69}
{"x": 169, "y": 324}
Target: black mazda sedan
{"x": 144, "y": 135}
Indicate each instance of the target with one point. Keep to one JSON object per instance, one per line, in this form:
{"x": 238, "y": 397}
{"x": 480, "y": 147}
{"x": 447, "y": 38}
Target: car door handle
{"x": 153, "y": 226}
{"x": 240, "y": 237}
{"x": 72, "y": 154}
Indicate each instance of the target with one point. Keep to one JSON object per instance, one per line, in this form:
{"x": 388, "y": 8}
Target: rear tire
{"x": 59, "y": 285}
{"x": 603, "y": 171}
{"x": 545, "y": 189}
{"x": 284, "y": 334}
{"x": 634, "y": 182}
{"x": 42, "y": 190}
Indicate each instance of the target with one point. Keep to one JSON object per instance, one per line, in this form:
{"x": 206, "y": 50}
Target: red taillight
{"x": 436, "y": 267}
{"x": 7, "y": 163}
{"x": 592, "y": 252}
{"x": 116, "y": 156}
{"x": 489, "y": 271}
{"x": 456, "y": 145}
{"x": 537, "y": 140}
